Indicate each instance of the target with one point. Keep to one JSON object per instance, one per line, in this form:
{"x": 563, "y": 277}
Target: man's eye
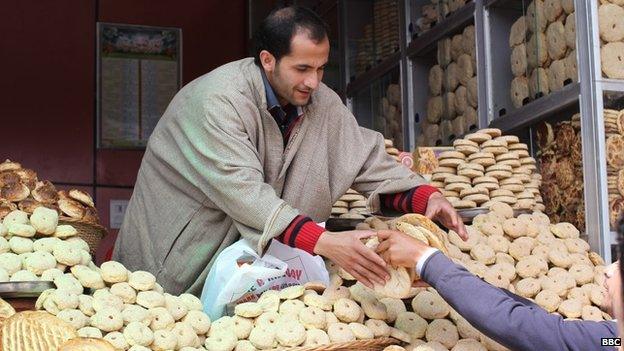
{"x": 301, "y": 69}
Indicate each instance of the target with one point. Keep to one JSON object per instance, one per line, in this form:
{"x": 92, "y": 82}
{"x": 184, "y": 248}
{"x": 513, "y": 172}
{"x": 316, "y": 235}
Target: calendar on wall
{"x": 138, "y": 73}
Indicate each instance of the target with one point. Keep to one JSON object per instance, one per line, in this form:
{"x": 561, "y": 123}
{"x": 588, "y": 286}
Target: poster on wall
{"x": 138, "y": 73}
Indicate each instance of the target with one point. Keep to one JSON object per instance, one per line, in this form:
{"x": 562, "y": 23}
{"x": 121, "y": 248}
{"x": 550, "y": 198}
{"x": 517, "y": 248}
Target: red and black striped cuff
{"x": 302, "y": 233}
{"x": 411, "y": 201}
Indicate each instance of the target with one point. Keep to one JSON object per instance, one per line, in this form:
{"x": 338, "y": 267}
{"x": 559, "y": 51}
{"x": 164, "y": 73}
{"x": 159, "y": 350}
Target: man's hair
{"x": 276, "y": 31}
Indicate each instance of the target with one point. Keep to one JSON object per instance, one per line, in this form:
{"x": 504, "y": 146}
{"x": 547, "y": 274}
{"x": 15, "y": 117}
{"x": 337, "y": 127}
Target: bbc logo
{"x": 610, "y": 342}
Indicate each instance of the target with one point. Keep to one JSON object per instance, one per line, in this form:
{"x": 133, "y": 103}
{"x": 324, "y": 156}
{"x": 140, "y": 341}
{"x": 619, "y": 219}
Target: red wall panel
{"x": 47, "y": 92}
{"x": 213, "y": 33}
{"x": 104, "y": 195}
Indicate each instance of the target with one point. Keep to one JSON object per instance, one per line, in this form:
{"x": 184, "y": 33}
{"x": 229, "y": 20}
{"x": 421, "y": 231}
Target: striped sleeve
{"x": 410, "y": 201}
{"x": 302, "y": 233}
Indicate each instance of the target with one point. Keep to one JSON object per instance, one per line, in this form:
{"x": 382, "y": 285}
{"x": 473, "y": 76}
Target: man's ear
{"x": 267, "y": 60}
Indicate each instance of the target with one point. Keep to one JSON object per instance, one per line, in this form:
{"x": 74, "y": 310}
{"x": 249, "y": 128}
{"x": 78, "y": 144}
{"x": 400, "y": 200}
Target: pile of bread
{"x": 392, "y": 150}
{"x": 392, "y": 116}
{"x": 542, "y": 261}
{"x": 614, "y": 129}
{"x": 435, "y": 12}
{"x": 453, "y": 90}
{"x": 561, "y": 166}
{"x": 611, "y": 28}
{"x": 21, "y": 188}
{"x": 127, "y": 309}
{"x": 351, "y": 205}
{"x": 315, "y": 314}
{"x": 36, "y": 247}
{"x": 534, "y": 258}
{"x": 380, "y": 38}
{"x": 543, "y": 56}
{"x": 486, "y": 166}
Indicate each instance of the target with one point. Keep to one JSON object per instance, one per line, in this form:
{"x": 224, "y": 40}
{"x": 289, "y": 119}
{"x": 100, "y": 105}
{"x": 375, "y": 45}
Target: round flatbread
{"x": 612, "y": 60}
{"x": 611, "y": 22}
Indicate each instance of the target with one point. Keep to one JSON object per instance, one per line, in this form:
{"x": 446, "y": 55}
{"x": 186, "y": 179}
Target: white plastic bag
{"x": 229, "y": 282}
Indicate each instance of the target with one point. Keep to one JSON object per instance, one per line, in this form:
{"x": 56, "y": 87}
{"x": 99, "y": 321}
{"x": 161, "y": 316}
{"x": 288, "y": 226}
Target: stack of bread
{"x": 351, "y": 205}
{"x": 37, "y": 248}
{"x": 614, "y": 129}
{"x": 392, "y": 116}
{"x": 21, "y": 188}
{"x": 486, "y": 166}
{"x": 528, "y": 255}
{"x": 435, "y": 12}
{"x": 380, "y": 38}
{"x": 391, "y": 150}
{"x": 561, "y": 165}
{"x": 127, "y": 309}
{"x": 543, "y": 56}
{"x": 453, "y": 100}
{"x": 611, "y": 28}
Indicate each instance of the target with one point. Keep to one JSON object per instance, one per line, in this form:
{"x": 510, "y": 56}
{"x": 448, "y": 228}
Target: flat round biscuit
{"x": 435, "y": 80}
{"x": 552, "y": 9}
{"x": 517, "y": 34}
{"x": 464, "y": 204}
{"x": 473, "y": 94}
{"x": 611, "y": 22}
{"x": 470, "y": 173}
{"x": 531, "y": 266}
{"x": 571, "y": 308}
{"x": 612, "y": 59}
{"x": 519, "y": 60}
{"x": 464, "y": 69}
{"x": 412, "y": 324}
{"x": 451, "y": 154}
{"x": 519, "y": 91}
{"x": 536, "y": 16}
{"x": 340, "y": 332}
{"x": 316, "y": 337}
{"x": 450, "y": 162}
{"x": 557, "y": 75}
{"x": 444, "y": 332}
{"x": 549, "y": 300}
{"x": 528, "y": 287}
{"x": 461, "y": 99}
{"x": 430, "y": 305}
{"x": 538, "y": 82}
{"x": 570, "y": 31}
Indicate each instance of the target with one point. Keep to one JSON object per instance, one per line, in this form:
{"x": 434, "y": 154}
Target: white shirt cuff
{"x": 423, "y": 259}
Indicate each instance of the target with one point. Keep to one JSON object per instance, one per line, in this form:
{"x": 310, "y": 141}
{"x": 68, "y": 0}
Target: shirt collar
{"x": 272, "y": 101}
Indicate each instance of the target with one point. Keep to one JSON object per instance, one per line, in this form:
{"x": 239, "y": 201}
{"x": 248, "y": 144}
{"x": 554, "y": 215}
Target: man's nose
{"x": 312, "y": 81}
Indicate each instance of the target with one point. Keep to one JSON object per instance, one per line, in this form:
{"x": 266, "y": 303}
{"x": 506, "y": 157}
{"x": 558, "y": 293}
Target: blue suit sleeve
{"x": 512, "y": 321}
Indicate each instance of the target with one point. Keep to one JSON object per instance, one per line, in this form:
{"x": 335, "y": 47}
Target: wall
{"x": 47, "y": 95}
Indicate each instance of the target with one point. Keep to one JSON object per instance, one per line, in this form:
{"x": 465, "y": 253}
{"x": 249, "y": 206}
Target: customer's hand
{"x": 400, "y": 250}
{"x": 347, "y": 251}
{"x": 441, "y": 210}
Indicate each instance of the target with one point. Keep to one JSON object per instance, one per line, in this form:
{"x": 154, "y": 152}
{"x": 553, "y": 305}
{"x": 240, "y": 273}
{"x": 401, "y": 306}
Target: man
{"x": 260, "y": 148}
{"x": 509, "y": 319}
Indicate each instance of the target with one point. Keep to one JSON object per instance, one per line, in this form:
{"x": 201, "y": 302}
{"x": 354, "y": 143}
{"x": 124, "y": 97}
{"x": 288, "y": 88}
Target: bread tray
{"x": 12, "y": 290}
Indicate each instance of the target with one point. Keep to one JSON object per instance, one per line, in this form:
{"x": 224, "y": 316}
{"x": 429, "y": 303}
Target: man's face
{"x": 297, "y": 74}
{"x": 612, "y": 299}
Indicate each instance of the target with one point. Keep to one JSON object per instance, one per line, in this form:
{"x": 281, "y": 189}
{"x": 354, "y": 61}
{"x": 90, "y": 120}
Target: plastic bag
{"x": 239, "y": 274}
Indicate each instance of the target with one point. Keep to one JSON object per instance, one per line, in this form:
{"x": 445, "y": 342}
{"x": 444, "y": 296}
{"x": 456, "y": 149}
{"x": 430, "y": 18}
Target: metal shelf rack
{"x": 492, "y": 20}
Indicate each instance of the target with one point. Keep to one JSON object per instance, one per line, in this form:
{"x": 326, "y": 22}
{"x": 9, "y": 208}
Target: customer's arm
{"x": 511, "y": 322}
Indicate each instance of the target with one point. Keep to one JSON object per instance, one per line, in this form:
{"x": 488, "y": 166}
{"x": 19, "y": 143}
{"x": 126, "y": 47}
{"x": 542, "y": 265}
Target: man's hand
{"x": 439, "y": 209}
{"x": 400, "y": 249}
{"x": 347, "y": 251}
